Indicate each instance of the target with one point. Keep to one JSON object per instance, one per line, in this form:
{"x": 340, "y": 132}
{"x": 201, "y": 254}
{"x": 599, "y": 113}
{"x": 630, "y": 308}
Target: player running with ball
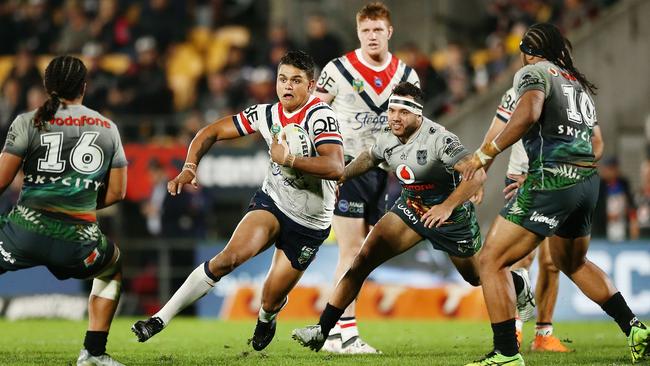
{"x": 292, "y": 210}
{"x": 433, "y": 204}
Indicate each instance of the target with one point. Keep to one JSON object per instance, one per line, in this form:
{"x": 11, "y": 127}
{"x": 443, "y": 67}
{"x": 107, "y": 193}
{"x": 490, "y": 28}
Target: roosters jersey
{"x": 307, "y": 200}
{"x": 518, "y": 163}
{"x": 361, "y": 94}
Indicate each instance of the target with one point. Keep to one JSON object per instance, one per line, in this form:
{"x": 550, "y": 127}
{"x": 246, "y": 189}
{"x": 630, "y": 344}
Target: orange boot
{"x": 548, "y": 343}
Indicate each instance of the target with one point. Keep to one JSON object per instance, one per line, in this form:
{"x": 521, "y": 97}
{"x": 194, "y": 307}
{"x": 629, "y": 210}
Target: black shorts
{"x": 21, "y": 248}
{"x": 299, "y": 243}
{"x": 363, "y": 197}
{"x": 461, "y": 238}
{"x": 564, "y": 212}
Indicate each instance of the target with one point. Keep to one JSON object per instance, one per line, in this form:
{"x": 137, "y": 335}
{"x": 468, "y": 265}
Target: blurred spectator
{"x": 322, "y": 45}
{"x": 615, "y": 216}
{"x": 261, "y": 50}
{"x": 153, "y": 208}
{"x": 110, "y": 27}
{"x": 144, "y": 90}
{"x": 8, "y": 28}
{"x": 457, "y": 73}
{"x": 261, "y": 86}
{"x": 9, "y": 104}
{"x": 643, "y": 202}
{"x": 35, "y": 26}
{"x": 164, "y": 20}
{"x": 76, "y": 29}
{"x": 431, "y": 83}
{"x": 215, "y": 101}
{"x": 98, "y": 80}
{"x": 36, "y": 96}
{"x": 26, "y": 74}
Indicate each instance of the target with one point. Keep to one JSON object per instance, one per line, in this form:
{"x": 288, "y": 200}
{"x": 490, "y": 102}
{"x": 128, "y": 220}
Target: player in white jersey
{"x": 292, "y": 210}
{"x": 433, "y": 204}
{"x": 548, "y": 277}
{"x": 357, "y": 85}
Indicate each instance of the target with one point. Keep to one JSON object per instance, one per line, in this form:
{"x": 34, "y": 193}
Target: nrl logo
{"x": 357, "y": 85}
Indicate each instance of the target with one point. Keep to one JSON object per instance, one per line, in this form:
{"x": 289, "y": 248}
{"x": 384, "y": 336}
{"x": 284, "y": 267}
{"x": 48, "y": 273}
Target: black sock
{"x": 617, "y": 308}
{"x": 329, "y": 317}
{"x": 95, "y": 342}
{"x": 505, "y": 338}
{"x": 518, "y": 281}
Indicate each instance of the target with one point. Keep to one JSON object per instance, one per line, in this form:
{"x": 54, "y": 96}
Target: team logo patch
{"x": 344, "y": 206}
{"x": 405, "y": 174}
{"x": 452, "y": 146}
{"x": 432, "y": 130}
{"x": 91, "y": 258}
{"x": 306, "y": 254}
{"x": 378, "y": 82}
{"x": 421, "y": 156}
{"x": 553, "y": 72}
{"x": 357, "y": 85}
{"x": 388, "y": 153}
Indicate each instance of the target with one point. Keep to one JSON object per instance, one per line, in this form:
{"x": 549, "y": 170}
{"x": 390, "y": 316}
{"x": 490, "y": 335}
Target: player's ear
{"x": 311, "y": 86}
{"x": 390, "y": 31}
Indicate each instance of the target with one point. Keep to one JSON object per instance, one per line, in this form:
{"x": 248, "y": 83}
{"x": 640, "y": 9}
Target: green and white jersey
{"x": 65, "y": 166}
{"x": 424, "y": 164}
{"x": 559, "y": 145}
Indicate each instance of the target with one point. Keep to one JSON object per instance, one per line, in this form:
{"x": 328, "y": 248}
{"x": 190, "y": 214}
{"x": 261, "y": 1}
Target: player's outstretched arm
{"x": 223, "y": 129}
{"x": 9, "y": 166}
{"x": 597, "y": 143}
{"x": 361, "y": 164}
{"x": 438, "y": 214}
{"x": 115, "y": 188}
{"x": 496, "y": 127}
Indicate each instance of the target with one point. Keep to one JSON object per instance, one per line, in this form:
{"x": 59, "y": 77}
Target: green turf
{"x": 207, "y": 342}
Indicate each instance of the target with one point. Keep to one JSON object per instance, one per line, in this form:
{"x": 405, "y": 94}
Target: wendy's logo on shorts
{"x": 421, "y": 156}
{"x": 91, "y": 258}
{"x": 306, "y": 253}
{"x": 405, "y": 174}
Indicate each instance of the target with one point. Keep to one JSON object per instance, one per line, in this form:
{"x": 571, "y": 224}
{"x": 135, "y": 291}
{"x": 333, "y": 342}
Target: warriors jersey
{"x": 307, "y": 200}
{"x": 518, "y": 163}
{"x": 66, "y": 164}
{"x": 424, "y": 165}
{"x": 559, "y": 144}
{"x": 361, "y": 94}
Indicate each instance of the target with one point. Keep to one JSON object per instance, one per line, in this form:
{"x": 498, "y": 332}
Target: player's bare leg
{"x": 499, "y": 252}
{"x": 569, "y": 255}
{"x": 546, "y": 290}
{"x": 350, "y": 234}
{"x": 102, "y": 303}
{"x": 390, "y": 237}
{"x": 281, "y": 279}
{"x": 255, "y": 233}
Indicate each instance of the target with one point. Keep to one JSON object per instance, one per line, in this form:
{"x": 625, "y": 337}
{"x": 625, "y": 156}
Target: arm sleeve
{"x": 324, "y": 127}
{"x": 327, "y": 80}
{"x": 17, "y": 141}
{"x": 119, "y": 157}
{"x": 448, "y": 149}
{"x": 247, "y": 121}
{"x": 532, "y": 77}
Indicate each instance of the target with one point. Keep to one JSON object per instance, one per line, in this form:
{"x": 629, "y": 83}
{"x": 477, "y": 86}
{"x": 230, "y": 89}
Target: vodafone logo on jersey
{"x": 405, "y": 174}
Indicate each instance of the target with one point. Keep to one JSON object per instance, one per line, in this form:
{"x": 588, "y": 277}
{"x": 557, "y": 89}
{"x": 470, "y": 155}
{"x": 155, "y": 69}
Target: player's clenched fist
{"x": 186, "y": 176}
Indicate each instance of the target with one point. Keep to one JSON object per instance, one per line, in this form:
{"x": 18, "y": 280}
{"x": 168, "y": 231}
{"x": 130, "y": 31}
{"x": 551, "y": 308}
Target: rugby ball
{"x": 299, "y": 144}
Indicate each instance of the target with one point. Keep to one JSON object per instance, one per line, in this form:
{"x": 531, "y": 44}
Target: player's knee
{"x": 486, "y": 260}
{"x": 547, "y": 265}
{"x": 107, "y": 288}
{"x": 226, "y": 262}
{"x": 473, "y": 279}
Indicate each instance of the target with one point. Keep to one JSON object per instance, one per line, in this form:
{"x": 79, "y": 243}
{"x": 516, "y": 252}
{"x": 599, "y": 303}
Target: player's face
{"x": 402, "y": 122}
{"x": 293, "y": 87}
{"x": 374, "y": 36}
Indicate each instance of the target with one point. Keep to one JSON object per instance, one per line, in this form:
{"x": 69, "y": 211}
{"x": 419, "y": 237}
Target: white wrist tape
{"x": 482, "y": 157}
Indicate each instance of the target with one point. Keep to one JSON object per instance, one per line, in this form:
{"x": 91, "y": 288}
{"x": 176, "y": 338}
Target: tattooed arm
{"x": 223, "y": 129}
{"x": 361, "y": 164}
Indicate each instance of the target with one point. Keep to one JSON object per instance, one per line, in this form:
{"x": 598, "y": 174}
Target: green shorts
{"x": 460, "y": 238}
{"x": 22, "y": 248}
{"x": 564, "y": 212}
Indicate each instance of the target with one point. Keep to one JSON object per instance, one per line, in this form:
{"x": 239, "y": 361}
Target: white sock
{"x": 197, "y": 284}
{"x": 544, "y": 329}
{"x": 349, "y": 328}
{"x": 519, "y": 325}
{"x": 336, "y": 331}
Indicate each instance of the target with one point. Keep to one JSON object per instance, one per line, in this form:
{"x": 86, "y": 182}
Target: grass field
{"x": 190, "y": 341}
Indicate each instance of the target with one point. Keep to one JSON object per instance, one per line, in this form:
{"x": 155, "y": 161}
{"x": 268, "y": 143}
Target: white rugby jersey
{"x": 518, "y": 163}
{"x": 361, "y": 94}
{"x": 307, "y": 200}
